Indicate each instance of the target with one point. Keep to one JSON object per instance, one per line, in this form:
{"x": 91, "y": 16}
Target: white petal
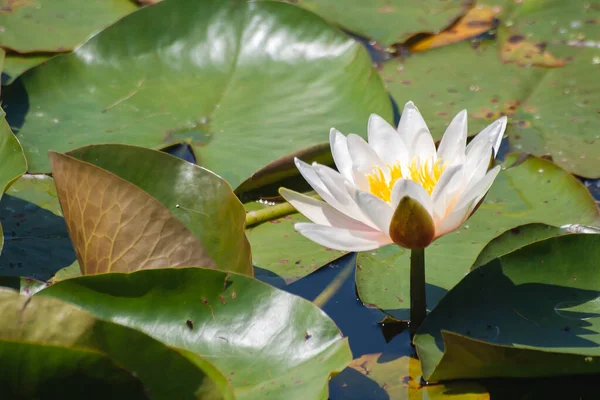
{"x": 406, "y": 187}
{"x": 452, "y": 221}
{"x": 493, "y": 133}
{"x": 386, "y": 142}
{"x": 343, "y": 239}
{"x": 362, "y": 155}
{"x": 360, "y": 180}
{"x": 376, "y": 209}
{"x": 312, "y": 177}
{"x": 454, "y": 141}
{"x": 446, "y": 190}
{"x": 411, "y": 123}
{"x": 477, "y": 164}
{"x": 337, "y": 186}
{"x": 320, "y": 212}
{"x": 341, "y": 156}
{"x": 480, "y": 188}
{"x": 423, "y": 146}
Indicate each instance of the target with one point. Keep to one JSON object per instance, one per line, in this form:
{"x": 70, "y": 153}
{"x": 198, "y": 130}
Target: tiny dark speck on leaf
{"x": 307, "y": 336}
{"x": 297, "y": 262}
{"x": 516, "y": 38}
{"x": 190, "y": 324}
{"x": 452, "y": 90}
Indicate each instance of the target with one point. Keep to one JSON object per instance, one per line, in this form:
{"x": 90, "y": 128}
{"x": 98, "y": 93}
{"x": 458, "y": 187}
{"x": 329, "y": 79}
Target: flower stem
{"x": 418, "y": 306}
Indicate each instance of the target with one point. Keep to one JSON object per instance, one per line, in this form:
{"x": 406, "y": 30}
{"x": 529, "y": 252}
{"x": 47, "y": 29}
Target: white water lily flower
{"x": 397, "y": 188}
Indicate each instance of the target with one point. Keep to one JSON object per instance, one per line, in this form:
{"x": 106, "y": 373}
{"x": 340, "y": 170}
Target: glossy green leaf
{"x": 50, "y": 349}
{"x": 36, "y": 240}
{"x": 56, "y": 25}
{"x": 398, "y": 379}
{"x": 271, "y": 344}
{"x": 278, "y": 248}
{"x": 523, "y": 235}
{"x": 545, "y": 320}
{"x": 535, "y": 191}
{"x": 15, "y": 64}
{"x": 388, "y": 21}
{"x": 258, "y": 79}
{"x": 201, "y": 200}
{"x": 13, "y": 161}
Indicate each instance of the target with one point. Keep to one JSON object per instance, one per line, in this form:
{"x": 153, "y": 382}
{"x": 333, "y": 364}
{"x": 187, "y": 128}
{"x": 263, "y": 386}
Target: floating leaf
{"x": 551, "y": 111}
{"x": 523, "y": 235}
{"x": 36, "y": 239}
{"x": 398, "y": 379}
{"x": 56, "y": 26}
{"x": 257, "y": 79}
{"x": 388, "y": 21}
{"x": 271, "y": 344}
{"x": 52, "y": 349}
{"x": 201, "y": 200}
{"x": 545, "y": 321}
{"x": 535, "y": 191}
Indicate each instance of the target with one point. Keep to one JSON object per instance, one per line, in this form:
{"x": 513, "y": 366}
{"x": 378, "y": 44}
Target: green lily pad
{"x": 533, "y": 312}
{"x": 56, "y": 26}
{"x": 201, "y": 200}
{"x": 36, "y": 239}
{"x": 51, "y": 349}
{"x": 399, "y": 379}
{"x": 388, "y": 21}
{"x": 278, "y": 248}
{"x": 535, "y": 191}
{"x": 271, "y": 344}
{"x": 15, "y": 64}
{"x": 523, "y": 235}
{"x": 243, "y": 82}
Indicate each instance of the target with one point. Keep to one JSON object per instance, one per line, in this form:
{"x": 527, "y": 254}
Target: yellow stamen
{"x": 425, "y": 173}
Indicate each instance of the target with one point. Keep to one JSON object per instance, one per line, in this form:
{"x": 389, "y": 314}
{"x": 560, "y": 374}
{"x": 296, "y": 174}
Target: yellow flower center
{"x": 426, "y": 173}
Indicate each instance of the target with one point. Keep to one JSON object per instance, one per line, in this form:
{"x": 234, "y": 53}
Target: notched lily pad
{"x": 545, "y": 299}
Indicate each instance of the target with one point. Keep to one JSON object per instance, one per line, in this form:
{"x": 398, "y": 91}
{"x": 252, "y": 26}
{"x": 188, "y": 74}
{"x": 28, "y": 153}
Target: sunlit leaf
{"x": 243, "y": 82}
{"x": 271, "y": 344}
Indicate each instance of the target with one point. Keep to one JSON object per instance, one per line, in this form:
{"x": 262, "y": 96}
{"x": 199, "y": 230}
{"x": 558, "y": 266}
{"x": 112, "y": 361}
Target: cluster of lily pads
{"x": 128, "y": 270}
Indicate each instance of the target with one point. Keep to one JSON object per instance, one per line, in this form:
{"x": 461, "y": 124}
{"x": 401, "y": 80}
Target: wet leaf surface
{"x": 535, "y": 191}
{"x": 269, "y": 343}
{"x": 545, "y": 319}
{"x": 204, "y": 74}
{"x": 52, "y": 349}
